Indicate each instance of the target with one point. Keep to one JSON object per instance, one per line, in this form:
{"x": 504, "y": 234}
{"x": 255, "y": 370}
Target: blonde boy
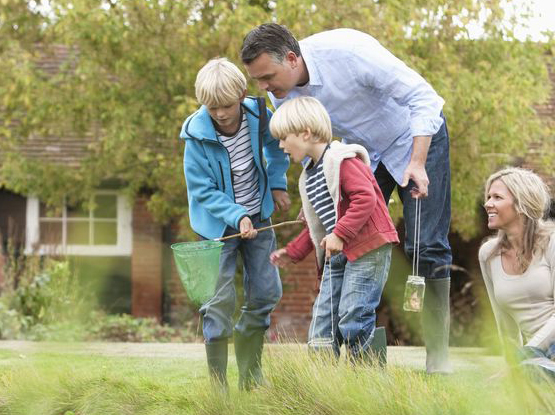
{"x": 235, "y": 173}
{"x": 347, "y": 222}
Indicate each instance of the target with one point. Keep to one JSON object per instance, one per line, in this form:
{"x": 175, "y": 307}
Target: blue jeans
{"x": 537, "y": 363}
{"x": 261, "y": 284}
{"x": 345, "y": 308}
{"x": 435, "y": 252}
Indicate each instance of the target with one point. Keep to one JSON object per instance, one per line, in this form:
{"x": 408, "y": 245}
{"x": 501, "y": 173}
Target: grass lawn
{"x": 92, "y": 378}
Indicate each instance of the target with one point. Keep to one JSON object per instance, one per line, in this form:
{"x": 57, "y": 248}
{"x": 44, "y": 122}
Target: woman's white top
{"x": 524, "y": 304}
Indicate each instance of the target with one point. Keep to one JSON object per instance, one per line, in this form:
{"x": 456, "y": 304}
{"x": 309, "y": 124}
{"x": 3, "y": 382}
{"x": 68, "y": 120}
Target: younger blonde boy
{"x": 347, "y": 222}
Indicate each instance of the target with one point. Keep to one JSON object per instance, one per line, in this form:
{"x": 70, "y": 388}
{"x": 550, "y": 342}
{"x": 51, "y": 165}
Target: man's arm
{"x": 416, "y": 170}
{"x": 379, "y": 69}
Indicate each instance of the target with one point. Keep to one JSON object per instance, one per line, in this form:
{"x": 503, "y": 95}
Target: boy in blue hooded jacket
{"x": 235, "y": 174}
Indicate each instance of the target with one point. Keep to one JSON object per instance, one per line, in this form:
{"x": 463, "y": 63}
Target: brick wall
{"x": 291, "y": 318}
{"x": 146, "y": 264}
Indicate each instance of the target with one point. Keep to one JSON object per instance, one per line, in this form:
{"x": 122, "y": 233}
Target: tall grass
{"x": 296, "y": 384}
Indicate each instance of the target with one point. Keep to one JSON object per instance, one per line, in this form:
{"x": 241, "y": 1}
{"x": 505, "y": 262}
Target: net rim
{"x": 182, "y": 247}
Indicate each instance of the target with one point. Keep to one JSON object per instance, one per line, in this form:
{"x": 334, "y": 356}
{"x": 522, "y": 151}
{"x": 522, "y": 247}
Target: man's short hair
{"x": 300, "y": 114}
{"x": 271, "y": 38}
{"x": 219, "y": 83}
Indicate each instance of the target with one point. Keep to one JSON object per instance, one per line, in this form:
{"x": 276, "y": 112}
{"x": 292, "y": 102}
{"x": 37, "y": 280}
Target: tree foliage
{"x": 128, "y": 80}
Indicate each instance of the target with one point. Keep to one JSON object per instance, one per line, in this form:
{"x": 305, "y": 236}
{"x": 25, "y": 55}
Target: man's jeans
{"x": 261, "y": 284}
{"x": 345, "y": 309}
{"x": 435, "y": 252}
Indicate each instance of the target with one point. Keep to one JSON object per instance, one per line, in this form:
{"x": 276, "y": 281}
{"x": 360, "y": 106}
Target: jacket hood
{"x": 331, "y": 164}
{"x": 199, "y": 125}
{"x": 335, "y": 155}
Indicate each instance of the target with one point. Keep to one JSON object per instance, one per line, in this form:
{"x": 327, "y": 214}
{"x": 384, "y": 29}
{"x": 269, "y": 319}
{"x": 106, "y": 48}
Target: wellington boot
{"x": 248, "y": 352}
{"x": 379, "y": 346}
{"x": 216, "y": 356}
{"x": 376, "y": 351}
{"x": 435, "y": 325}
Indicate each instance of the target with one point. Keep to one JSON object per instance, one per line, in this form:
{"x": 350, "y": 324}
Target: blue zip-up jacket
{"x": 208, "y": 175}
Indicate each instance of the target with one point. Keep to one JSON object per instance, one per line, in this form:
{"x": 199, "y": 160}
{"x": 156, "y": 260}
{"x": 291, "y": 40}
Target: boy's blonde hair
{"x": 219, "y": 83}
{"x": 299, "y": 115}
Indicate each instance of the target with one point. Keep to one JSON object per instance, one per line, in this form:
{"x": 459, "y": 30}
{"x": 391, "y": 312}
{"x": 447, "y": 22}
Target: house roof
{"x": 68, "y": 150}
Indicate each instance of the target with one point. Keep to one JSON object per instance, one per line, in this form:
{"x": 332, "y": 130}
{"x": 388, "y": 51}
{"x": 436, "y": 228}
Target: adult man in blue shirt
{"x": 375, "y": 100}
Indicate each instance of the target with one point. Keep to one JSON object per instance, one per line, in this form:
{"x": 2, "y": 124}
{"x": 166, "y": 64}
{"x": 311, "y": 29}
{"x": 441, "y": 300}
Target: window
{"x": 104, "y": 229}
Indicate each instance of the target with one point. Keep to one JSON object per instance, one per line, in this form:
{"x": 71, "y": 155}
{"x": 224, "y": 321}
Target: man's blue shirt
{"x": 372, "y": 97}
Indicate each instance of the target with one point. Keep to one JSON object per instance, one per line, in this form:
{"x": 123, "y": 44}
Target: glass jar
{"x": 414, "y": 293}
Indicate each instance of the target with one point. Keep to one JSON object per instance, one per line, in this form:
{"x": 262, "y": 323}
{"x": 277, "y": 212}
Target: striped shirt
{"x": 319, "y": 195}
{"x": 243, "y": 170}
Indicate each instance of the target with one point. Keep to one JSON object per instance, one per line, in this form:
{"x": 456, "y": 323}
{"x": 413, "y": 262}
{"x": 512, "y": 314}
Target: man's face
{"x": 274, "y": 77}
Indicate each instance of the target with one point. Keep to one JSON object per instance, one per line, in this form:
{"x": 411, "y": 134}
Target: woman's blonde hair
{"x": 220, "y": 83}
{"x": 299, "y": 115}
{"x": 532, "y": 201}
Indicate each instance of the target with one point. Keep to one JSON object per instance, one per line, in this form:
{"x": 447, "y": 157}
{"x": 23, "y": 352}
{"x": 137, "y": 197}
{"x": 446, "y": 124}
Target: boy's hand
{"x": 280, "y": 258}
{"x": 332, "y": 243}
{"x": 281, "y": 200}
{"x": 247, "y": 230}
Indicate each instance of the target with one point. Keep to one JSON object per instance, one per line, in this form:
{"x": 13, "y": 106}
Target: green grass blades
{"x": 70, "y": 382}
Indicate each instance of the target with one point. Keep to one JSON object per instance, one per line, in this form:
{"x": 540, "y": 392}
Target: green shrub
{"x": 41, "y": 299}
{"x": 126, "y": 328}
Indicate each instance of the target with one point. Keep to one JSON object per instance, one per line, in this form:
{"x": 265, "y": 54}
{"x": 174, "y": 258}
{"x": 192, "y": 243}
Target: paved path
{"x": 462, "y": 358}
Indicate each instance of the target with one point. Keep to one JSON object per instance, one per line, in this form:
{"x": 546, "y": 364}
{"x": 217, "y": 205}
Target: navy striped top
{"x": 319, "y": 195}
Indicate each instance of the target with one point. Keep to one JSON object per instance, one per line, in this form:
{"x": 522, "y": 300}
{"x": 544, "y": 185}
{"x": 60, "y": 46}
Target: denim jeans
{"x": 435, "y": 252}
{"x": 261, "y": 284}
{"x": 539, "y": 365}
{"x": 345, "y": 308}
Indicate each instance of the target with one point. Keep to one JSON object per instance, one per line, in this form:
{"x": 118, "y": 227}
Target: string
{"x": 416, "y": 254}
{"x": 311, "y": 334}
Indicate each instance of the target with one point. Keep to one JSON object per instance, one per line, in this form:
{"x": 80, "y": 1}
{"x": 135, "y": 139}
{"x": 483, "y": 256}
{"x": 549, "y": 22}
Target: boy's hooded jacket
{"x": 208, "y": 175}
{"x": 362, "y": 218}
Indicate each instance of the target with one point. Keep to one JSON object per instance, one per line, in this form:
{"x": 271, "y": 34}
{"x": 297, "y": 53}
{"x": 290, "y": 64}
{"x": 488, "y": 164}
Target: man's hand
{"x": 246, "y": 228}
{"x": 281, "y": 200}
{"x": 280, "y": 258}
{"x": 417, "y": 173}
{"x": 332, "y": 243}
{"x": 416, "y": 170}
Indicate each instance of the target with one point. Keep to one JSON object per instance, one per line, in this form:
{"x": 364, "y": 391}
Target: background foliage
{"x": 129, "y": 74}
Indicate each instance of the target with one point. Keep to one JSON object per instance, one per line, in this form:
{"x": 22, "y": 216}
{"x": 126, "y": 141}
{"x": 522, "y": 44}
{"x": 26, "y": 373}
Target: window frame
{"x": 123, "y": 247}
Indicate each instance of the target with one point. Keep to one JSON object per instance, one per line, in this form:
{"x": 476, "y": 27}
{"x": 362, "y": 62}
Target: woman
{"x": 518, "y": 264}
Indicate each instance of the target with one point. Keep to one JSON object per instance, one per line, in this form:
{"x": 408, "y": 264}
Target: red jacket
{"x": 362, "y": 222}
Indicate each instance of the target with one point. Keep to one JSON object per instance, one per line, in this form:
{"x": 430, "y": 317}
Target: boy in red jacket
{"x": 347, "y": 222}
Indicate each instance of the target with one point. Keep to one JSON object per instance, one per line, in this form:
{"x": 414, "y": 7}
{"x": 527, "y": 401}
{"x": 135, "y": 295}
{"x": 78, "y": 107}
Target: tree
{"x": 128, "y": 79}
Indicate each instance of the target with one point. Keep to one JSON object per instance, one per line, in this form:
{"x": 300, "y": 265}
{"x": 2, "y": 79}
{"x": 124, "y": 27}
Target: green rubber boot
{"x": 248, "y": 352}
{"x": 435, "y": 325}
{"x": 216, "y": 356}
{"x": 379, "y": 346}
{"x": 376, "y": 352}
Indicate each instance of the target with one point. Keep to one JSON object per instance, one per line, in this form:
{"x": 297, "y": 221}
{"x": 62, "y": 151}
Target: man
{"x": 375, "y": 100}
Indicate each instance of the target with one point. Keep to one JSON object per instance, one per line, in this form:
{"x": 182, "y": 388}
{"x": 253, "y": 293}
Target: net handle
{"x": 277, "y": 225}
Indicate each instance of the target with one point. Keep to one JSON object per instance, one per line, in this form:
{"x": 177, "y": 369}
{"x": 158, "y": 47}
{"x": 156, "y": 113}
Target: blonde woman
{"x": 518, "y": 264}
